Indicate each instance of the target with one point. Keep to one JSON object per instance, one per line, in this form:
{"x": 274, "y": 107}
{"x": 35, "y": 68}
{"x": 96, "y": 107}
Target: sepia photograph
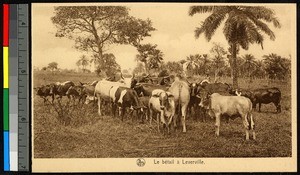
{"x": 163, "y": 87}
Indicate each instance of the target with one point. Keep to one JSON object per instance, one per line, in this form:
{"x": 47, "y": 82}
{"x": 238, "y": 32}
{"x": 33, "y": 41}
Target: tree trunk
{"x": 234, "y": 67}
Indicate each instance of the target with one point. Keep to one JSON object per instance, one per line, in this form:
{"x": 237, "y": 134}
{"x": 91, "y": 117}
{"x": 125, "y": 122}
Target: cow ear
{"x": 170, "y": 95}
{"x": 155, "y": 95}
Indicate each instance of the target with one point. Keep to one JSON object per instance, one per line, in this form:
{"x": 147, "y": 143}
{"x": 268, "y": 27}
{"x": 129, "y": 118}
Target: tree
{"x": 277, "y": 67}
{"x": 244, "y": 25}
{"x": 249, "y": 64}
{"x": 139, "y": 69}
{"x": 192, "y": 62}
{"x": 149, "y": 55}
{"x": 52, "y": 66}
{"x": 109, "y": 65}
{"x": 95, "y": 28}
{"x": 83, "y": 61}
{"x": 218, "y": 61}
{"x": 172, "y": 67}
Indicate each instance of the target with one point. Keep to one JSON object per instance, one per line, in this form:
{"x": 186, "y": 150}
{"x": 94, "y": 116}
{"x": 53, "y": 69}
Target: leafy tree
{"x": 139, "y": 69}
{"x": 150, "y": 56}
{"x": 244, "y": 25}
{"x": 277, "y": 67}
{"x": 53, "y": 66}
{"x": 172, "y": 67}
{"x": 95, "y": 28}
{"x": 259, "y": 71}
{"x": 218, "y": 61}
{"x": 108, "y": 65}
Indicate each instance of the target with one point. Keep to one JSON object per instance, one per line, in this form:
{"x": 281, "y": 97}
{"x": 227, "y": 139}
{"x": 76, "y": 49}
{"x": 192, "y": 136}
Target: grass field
{"x": 91, "y": 136}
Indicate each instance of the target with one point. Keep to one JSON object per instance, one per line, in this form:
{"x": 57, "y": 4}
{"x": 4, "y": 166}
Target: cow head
{"x": 52, "y": 88}
{"x": 194, "y": 89}
{"x": 205, "y": 98}
{"x": 75, "y": 90}
{"x": 164, "y": 98}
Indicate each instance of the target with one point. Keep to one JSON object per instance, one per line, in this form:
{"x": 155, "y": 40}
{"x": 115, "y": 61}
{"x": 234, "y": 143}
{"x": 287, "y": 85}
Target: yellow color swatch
{"x": 5, "y": 67}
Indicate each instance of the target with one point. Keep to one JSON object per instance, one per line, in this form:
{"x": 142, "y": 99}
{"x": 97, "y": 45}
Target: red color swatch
{"x": 5, "y": 25}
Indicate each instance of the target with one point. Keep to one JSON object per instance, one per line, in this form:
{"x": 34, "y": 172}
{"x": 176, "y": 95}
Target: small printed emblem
{"x": 140, "y": 162}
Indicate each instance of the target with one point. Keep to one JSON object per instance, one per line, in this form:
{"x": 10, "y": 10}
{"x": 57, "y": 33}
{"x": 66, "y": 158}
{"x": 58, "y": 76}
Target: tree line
{"x": 95, "y": 28}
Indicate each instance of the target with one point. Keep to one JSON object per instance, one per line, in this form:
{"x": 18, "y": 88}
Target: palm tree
{"x": 193, "y": 62}
{"x": 249, "y": 64}
{"x": 83, "y": 61}
{"x": 244, "y": 25}
{"x": 277, "y": 66}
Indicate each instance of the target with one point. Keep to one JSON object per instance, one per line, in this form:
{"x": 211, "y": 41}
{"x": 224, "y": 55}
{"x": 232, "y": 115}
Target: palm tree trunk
{"x": 234, "y": 67}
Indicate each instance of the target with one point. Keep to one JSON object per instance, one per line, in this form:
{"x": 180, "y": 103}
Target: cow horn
{"x": 122, "y": 76}
{"x": 198, "y": 96}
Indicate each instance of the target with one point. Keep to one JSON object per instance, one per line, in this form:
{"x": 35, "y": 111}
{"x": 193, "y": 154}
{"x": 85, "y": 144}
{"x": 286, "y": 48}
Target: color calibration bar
{"x": 6, "y": 157}
{"x": 13, "y": 87}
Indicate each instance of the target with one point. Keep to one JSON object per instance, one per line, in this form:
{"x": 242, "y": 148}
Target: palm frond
{"x": 200, "y": 9}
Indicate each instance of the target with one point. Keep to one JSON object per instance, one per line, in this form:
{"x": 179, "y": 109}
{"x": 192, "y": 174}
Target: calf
{"x": 162, "y": 102}
{"x": 231, "y": 105}
{"x": 44, "y": 92}
{"x": 126, "y": 98}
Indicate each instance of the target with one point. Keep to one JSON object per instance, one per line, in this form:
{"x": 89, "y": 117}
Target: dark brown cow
{"x": 145, "y": 89}
{"x": 261, "y": 96}
{"x": 266, "y": 96}
{"x": 222, "y": 88}
{"x": 44, "y": 92}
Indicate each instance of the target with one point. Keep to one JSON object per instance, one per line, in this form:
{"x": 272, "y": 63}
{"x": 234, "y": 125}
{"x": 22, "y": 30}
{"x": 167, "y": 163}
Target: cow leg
{"x": 150, "y": 116}
{"x": 122, "y": 112}
{"x": 158, "y": 121}
{"x": 259, "y": 106}
{"x": 278, "y": 107}
{"x": 99, "y": 105}
{"x": 246, "y": 125}
{"x": 183, "y": 110}
{"x": 113, "y": 107}
{"x": 217, "y": 124}
{"x": 252, "y": 127}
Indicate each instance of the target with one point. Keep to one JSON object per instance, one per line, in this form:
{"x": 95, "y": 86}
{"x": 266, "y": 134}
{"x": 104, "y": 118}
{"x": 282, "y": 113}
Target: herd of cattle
{"x": 169, "y": 101}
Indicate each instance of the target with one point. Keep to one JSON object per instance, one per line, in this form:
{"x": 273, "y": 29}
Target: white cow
{"x": 232, "y": 105}
{"x": 162, "y": 102}
{"x": 107, "y": 89}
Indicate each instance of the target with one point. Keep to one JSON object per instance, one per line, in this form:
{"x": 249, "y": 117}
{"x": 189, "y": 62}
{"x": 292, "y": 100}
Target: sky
{"x": 174, "y": 35}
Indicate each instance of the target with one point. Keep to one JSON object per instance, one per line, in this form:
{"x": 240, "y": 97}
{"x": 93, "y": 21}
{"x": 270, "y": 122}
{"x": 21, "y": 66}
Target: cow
{"x": 222, "y": 88}
{"x": 140, "y": 79}
{"x": 60, "y": 89}
{"x": 162, "y": 104}
{"x": 181, "y": 92}
{"x": 218, "y": 105}
{"x": 261, "y": 96}
{"x": 266, "y": 96}
{"x": 193, "y": 107}
{"x": 145, "y": 103}
{"x": 106, "y": 90}
{"x": 76, "y": 92}
{"x": 88, "y": 92}
{"x": 145, "y": 89}
{"x": 44, "y": 92}
{"x": 126, "y": 98}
